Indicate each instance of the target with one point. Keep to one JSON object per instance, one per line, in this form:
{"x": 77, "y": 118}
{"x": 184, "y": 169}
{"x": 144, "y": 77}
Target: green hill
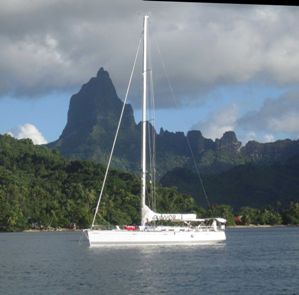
{"x": 251, "y": 185}
{"x": 40, "y": 189}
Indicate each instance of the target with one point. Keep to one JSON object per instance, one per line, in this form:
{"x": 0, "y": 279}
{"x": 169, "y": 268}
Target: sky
{"x": 216, "y": 67}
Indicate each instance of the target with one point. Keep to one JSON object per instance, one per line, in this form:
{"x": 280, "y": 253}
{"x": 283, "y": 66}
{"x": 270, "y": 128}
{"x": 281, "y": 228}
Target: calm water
{"x": 252, "y": 261}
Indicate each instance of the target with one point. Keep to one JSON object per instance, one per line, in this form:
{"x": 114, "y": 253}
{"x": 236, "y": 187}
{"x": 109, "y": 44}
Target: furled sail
{"x": 149, "y": 215}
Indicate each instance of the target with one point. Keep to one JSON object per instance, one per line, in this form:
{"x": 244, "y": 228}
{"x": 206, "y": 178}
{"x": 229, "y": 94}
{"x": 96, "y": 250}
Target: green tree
{"x": 249, "y": 215}
{"x": 270, "y": 217}
{"x": 291, "y": 215}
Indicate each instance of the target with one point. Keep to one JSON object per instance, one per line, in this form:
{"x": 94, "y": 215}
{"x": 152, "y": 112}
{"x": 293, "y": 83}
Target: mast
{"x": 144, "y": 103}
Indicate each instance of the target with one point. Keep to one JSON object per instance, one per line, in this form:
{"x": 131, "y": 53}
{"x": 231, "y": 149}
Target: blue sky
{"x": 48, "y": 113}
{"x": 232, "y": 67}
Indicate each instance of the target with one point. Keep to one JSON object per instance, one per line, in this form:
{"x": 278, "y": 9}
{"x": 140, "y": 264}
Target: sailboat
{"x": 194, "y": 230}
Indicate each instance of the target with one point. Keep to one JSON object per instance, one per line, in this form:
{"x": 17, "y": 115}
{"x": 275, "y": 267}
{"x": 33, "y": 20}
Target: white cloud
{"x": 219, "y": 122}
{"x": 278, "y": 115}
{"x": 286, "y": 122}
{"x": 28, "y": 131}
{"x": 53, "y": 45}
{"x": 249, "y": 136}
{"x": 277, "y": 118}
{"x": 269, "y": 138}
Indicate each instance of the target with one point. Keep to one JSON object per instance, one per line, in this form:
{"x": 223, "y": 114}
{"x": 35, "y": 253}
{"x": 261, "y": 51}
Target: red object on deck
{"x": 130, "y": 227}
{"x": 238, "y": 219}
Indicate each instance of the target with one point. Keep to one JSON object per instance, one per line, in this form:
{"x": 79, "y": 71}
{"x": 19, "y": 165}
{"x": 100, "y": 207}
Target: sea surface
{"x": 251, "y": 261}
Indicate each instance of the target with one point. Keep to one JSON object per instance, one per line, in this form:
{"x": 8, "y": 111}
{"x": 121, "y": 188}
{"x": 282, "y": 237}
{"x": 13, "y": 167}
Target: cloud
{"x": 28, "y": 131}
{"x": 218, "y": 122}
{"x": 269, "y": 138}
{"x": 276, "y": 116}
{"x": 251, "y": 135}
{"x": 54, "y": 45}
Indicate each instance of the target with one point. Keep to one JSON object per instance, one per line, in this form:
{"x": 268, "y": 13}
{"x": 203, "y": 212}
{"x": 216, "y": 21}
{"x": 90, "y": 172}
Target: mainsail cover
{"x": 148, "y": 215}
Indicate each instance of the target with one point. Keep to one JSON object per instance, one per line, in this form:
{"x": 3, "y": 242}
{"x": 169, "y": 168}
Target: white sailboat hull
{"x": 124, "y": 237}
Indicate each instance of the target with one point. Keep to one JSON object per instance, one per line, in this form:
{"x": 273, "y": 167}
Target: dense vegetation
{"x": 41, "y": 189}
{"x": 246, "y": 185}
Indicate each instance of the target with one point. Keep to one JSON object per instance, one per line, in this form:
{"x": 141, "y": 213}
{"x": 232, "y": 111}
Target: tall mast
{"x": 144, "y": 123}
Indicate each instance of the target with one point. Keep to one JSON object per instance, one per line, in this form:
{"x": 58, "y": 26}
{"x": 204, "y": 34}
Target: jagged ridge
{"x": 92, "y": 119}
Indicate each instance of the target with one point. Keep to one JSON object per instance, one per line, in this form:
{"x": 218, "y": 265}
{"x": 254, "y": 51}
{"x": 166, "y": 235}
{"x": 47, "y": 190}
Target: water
{"x": 252, "y": 261}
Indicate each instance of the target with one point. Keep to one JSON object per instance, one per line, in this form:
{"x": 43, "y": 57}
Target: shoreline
{"x": 261, "y": 226}
{"x": 50, "y": 230}
{"x": 62, "y": 229}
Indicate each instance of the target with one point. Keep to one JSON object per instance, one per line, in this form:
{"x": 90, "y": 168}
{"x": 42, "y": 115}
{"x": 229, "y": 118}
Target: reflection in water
{"x": 156, "y": 248}
{"x": 158, "y": 269}
{"x": 251, "y": 261}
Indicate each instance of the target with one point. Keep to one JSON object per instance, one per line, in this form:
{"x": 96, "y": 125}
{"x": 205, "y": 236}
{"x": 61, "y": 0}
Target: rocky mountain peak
{"x": 228, "y": 142}
{"x": 93, "y": 117}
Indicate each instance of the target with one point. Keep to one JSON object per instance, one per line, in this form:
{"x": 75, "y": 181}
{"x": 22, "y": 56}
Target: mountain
{"x": 277, "y": 151}
{"x": 41, "y": 189}
{"x": 91, "y": 123}
{"x": 93, "y": 117}
{"x": 252, "y": 185}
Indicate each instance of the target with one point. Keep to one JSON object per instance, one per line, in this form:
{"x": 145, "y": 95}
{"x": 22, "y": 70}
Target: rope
{"x": 187, "y": 139}
{"x": 152, "y": 134}
{"x": 115, "y": 137}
